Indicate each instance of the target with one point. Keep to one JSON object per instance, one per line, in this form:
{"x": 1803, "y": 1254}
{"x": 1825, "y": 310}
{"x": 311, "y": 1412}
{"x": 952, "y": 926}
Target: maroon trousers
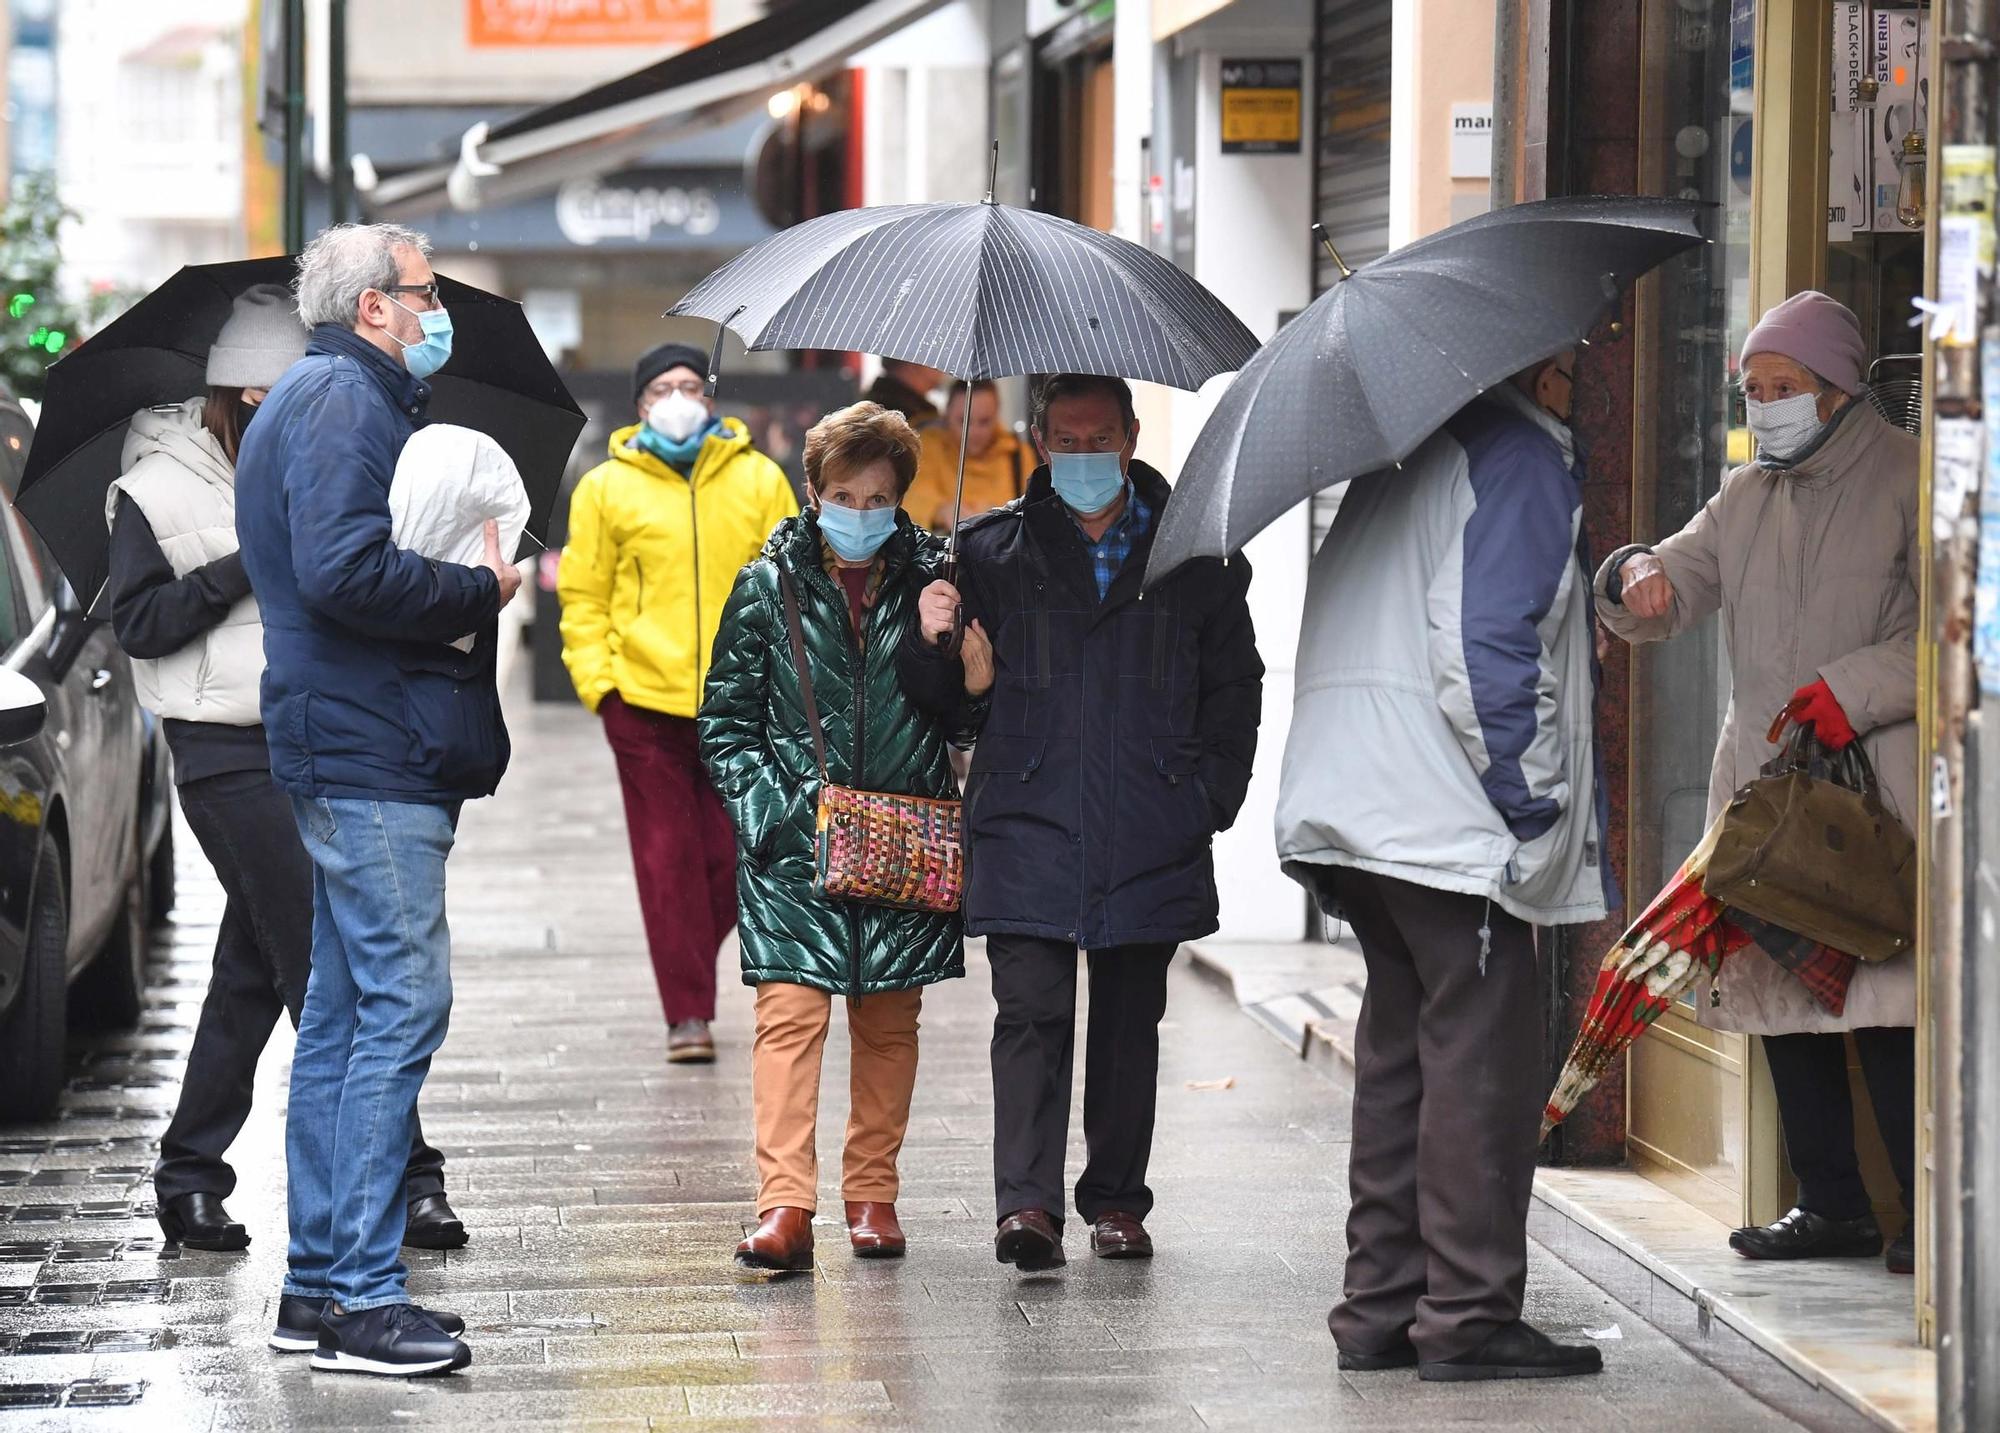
{"x": 683, "y": 852}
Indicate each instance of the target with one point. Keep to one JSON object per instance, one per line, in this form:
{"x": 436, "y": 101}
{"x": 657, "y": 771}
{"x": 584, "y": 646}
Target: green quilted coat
{"x": 759, "y": 750}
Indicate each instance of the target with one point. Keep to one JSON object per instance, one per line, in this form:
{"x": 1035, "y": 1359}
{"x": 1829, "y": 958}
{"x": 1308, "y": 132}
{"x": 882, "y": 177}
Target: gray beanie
{"x": 262, "y": 338}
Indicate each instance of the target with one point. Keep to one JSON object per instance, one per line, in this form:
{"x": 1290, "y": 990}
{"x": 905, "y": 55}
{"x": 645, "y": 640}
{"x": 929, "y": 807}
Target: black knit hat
{"x": 659, "y": 360}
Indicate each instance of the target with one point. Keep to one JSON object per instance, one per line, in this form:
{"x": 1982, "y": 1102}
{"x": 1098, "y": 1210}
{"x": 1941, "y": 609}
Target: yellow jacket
{"x": 999, "y": 475}
{"x": 651, "y": 560}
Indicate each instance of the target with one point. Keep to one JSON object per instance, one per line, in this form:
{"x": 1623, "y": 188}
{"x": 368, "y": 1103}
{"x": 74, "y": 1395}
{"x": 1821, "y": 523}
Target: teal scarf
{"x": 678, "y": 456}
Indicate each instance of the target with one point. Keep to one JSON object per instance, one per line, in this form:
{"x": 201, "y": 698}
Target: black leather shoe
{"x": 1901, "y": 1256}
{"x": 431, "y": 1224}
{"x": 198, "y": 1221}
{"x": 298, "y": 1323}
{"x": 1802, "y": 1234}
{"x": 396, "y": 1340}
{"x": 1400, "y": 1354}
{"x": 1029, "y": 1240}
{"x": 1520, "y": 1350}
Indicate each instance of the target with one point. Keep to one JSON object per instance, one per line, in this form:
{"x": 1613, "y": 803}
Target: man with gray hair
{"x": 379, "y": 729}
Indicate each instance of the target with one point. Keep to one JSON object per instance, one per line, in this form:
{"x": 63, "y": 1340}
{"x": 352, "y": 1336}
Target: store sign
{"x": 504, "y": 23}
{"x": 1263, "y": 106}
{"x": 1472, "y": 141}
{"x": 591, "y": 211}
{"x": 657, "y": 208}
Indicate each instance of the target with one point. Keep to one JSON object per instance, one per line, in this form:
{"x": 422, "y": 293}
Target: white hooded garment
{"x": 448, "y": 483}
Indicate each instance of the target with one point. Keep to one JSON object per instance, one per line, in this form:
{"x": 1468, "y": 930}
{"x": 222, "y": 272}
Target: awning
{"x": 710, "y": 84}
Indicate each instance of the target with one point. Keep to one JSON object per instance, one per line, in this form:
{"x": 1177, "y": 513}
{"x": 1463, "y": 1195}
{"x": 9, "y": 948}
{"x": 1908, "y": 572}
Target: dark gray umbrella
{"x": 978, "y": 291}
{"x": 1377, "y": 363}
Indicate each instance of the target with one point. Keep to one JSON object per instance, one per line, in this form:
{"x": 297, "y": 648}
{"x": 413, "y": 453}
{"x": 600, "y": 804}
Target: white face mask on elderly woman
{"x": 1785, "y": 427}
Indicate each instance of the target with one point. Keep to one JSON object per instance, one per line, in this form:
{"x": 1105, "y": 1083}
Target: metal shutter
{"x": 1351, "y": 163}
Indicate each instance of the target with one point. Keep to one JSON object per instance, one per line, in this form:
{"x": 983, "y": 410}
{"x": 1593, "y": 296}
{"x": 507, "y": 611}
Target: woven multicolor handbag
{"x": 877, "y": 848}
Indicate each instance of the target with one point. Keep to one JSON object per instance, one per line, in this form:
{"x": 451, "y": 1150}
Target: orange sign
{"x": 586, "y": 22}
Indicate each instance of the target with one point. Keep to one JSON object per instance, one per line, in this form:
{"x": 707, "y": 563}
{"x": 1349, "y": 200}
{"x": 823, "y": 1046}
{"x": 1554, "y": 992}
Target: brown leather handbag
{"x": 1810, "y": 846}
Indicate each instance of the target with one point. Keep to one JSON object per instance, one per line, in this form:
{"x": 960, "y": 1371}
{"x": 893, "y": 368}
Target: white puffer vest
{"x": 178, "y": 475}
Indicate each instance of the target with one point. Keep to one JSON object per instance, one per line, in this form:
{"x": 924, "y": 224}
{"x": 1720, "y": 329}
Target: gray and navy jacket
{"x": 1442, "y": 723}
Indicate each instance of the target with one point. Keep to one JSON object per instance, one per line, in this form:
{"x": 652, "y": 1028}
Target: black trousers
{"x": 1448, "y": 1094}
{"x": 1816, "y": 1108}
{"x": 263, "y": 955}
{"x": 1034, "y": 1043}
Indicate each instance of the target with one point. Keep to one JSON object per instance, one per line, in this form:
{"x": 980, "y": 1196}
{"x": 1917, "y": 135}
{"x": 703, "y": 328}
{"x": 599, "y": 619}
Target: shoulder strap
{"x": 798, "y": 639}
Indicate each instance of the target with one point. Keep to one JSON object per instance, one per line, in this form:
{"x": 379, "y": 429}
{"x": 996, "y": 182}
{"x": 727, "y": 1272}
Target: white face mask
{"x": 677, "y": 417}
{"x": 1784, "y": 428}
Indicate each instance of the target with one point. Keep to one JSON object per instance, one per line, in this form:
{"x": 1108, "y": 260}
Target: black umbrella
{"x": 499, "y": 381}
{"x": 1377, "y": 363}
{"x": 976, "y": 290}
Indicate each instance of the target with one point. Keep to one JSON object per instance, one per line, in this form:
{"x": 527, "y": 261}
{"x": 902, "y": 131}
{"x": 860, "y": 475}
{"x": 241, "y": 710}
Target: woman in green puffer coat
{"x": 855, "y": 565}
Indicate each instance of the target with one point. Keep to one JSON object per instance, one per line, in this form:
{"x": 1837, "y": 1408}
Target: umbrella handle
{"x": 950, "y": 644}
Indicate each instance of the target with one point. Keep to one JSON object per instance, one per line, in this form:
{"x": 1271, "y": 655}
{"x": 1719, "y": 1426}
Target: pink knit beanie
{"x": 1818, "y": 331}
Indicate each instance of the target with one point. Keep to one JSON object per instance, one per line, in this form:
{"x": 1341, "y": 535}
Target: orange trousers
{"x": 784, "y": 1091}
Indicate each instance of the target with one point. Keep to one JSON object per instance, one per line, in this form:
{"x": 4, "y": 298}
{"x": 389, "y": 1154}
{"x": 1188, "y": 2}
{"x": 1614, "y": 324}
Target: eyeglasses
{"x": 429, "y": 291}
{"x": 690, "y": 387}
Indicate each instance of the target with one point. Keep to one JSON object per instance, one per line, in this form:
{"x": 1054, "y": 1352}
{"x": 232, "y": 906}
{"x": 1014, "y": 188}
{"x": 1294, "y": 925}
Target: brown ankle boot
{"x": 783, "y": 1243}
{"x": 873, "y": 1230}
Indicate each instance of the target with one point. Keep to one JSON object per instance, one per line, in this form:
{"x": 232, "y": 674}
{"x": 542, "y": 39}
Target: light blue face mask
{"x": 856, "y": 534}
{"x": 425, "y": 358}
{"x": 1087, "y": 482}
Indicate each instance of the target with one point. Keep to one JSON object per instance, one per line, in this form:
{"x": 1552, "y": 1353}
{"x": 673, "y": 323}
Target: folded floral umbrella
{"x": 1683, "y": 935}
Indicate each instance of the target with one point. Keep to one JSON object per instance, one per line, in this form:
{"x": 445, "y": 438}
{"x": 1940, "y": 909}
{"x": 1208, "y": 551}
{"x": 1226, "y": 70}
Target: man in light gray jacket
{"x": 1440, "y": 791}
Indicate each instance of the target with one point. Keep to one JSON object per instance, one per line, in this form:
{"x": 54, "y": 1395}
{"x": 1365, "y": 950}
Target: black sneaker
{"x": 1803, "y": 1234}
{"x": 399, "y": 1340}
{"x": 298, "y": 1323}
{"x": 1520, "y": 1350}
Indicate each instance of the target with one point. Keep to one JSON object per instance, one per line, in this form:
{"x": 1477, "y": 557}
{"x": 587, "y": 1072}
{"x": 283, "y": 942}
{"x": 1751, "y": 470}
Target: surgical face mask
{"x": 677, "y": 417}
{"x": 855, "y": 534}
{"x": 434, "y": 351}
{"x": 1785, "y": 427}
{"x": 1087, "y": 482}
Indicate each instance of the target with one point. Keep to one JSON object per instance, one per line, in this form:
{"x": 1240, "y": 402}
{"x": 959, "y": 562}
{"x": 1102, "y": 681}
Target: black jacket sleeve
{"x": 1231, "y": 698}
{"x": 154, "y": 613}
{"x": 935, "y": 683}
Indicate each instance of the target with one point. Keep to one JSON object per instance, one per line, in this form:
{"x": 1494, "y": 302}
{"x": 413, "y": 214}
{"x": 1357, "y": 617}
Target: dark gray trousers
{"x": 1034, "y": 1048}
{"x": 1448, "y": 1095}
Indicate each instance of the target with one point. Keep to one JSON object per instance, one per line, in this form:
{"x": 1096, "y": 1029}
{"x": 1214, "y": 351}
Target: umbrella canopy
{"x": 1683, "y": 935}
{"x": 1377, "y": 364}
{"x": 976, "y": 290}
{"x": 499, "y": 381}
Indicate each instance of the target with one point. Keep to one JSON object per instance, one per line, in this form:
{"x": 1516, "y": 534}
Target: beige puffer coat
{"x": 1815, "y": 571}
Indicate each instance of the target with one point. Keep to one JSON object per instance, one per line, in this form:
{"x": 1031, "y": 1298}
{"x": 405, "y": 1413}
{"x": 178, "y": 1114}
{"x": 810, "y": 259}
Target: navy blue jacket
{"x": 364, "y": 697}
{"x": 1120, "y": 733}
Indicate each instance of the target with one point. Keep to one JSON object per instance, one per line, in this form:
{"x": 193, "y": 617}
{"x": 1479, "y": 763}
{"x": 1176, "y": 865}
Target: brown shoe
{"x": 783, "y": 1243}
{"x": 873, "y": 1230}
{"x": 1029, "y": 1240}
{"x": 689, "y": 1043}
{"x": 1120, "y": 1236}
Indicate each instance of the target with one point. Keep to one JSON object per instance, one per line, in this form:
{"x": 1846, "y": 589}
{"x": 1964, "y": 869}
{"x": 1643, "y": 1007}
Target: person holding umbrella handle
{"x": 1118, "y": 744}
{"x": 182, "y": 609}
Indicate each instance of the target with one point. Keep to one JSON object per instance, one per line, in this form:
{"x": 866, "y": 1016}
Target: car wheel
{"x": 111, "y": 991}
{"x": 160, "y": 879}
{"x": 33, "y": 1042}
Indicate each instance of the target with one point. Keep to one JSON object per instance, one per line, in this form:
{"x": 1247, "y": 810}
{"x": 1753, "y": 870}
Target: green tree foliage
{"x": 37, "y": 325}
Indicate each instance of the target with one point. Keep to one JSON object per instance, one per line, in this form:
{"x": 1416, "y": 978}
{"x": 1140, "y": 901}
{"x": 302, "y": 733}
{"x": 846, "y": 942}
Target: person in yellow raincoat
{"x": 997, "y": 464}
{"x": 657, "y": 534}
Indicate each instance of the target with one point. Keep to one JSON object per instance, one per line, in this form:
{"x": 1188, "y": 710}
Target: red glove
{"x": 1817, "y": 704}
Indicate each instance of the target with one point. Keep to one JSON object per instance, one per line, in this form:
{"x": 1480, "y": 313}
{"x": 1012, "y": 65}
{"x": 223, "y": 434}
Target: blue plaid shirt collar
{"x": 1109, "y": 553}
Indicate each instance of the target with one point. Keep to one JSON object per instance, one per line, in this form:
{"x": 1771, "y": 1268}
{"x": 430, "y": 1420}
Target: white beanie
{"x": 262, "y": 338}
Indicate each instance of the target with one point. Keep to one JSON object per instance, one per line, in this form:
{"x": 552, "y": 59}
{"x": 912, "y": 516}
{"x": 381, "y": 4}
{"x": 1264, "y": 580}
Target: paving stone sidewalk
{"x": 607, "y": 1190}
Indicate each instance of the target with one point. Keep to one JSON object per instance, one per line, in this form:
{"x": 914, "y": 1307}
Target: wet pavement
{"x": 606, "y": 1189}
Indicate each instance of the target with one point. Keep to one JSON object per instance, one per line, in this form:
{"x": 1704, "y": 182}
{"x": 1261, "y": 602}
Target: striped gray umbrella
{"x": 976, "y": 290}
{"x": 1381, "y": 360}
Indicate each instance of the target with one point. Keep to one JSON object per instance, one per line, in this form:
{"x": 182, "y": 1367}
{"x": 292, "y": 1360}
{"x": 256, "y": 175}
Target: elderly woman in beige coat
{"x": 1810, "y": 554}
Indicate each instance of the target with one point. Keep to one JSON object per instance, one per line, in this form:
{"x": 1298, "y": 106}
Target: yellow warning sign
{"x": 1263, "y": 106}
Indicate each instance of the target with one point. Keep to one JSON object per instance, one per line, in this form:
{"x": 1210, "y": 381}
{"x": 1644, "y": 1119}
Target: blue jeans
{"x": 376, "y": 1007}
